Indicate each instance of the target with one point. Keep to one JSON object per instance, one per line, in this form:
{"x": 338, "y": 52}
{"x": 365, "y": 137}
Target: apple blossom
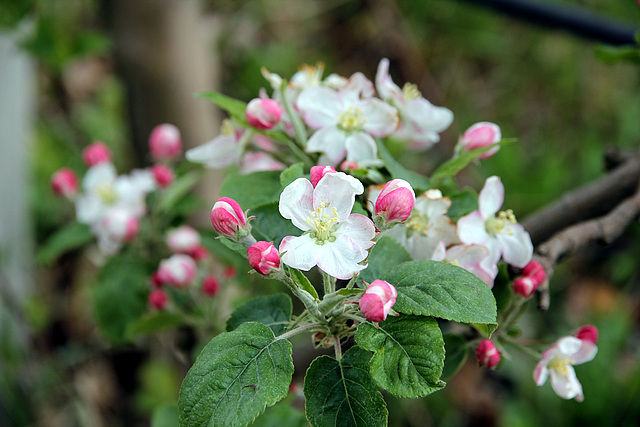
{"x": 588, "y": 333}
{"x": 158, "y": 299}
{"x": 394, "y": 203}
{"x": 263, "y": 113}
{"x": 163, "y": 175}
{"x": 178, "y": 270}
{"x": 420, "y": 121}
{"x": 118, "y": 225}
{"x": 557, "y": 362}
{"x": 533, "y": 275}
{"x": 317, "y": 172}
{"x": 499, "y": 231}
{"x": 165, "y": 142}
{"x": 210, "y": 286}
{"x": 482, "y": 134}
{"x": 64, "y": 183}
{"x": 96, "y": 153}
{"x": 229, "y": 220}
{"x": 183, "y": 240}
{"x": 472, "y": 258}
{"x": 263, "y": 257}
{"x": 334, "y": 239}
{"x": 377, "y": 300}
{"x": 487, "y": 354}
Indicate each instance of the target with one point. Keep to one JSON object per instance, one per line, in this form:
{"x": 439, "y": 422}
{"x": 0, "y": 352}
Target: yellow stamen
{"x": 410, "y": 91}
{"x": 500, "y": 223}
{"x": 107, "y": 194}
{"x": 323, "y": 224}
{"x": 561, "y": 365}
{"x": 418, "y": 223}
{"x": 351, "y": 120}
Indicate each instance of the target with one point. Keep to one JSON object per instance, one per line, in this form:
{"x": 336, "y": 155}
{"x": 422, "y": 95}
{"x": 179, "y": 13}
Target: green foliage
{"x": 252, "y": 190}
{"x": 270, "y": 225}
{"x": 235, "y": 377}
{"x": 302, "y": 281}
{"x": 178, "y": 191}
{"x": 342, "y": 392}
{"x": 273, "y": 311}
{"x": 155, "y": 322}
{"x": 432, "y": 288}
{"x": 462, "y": 203}
{"x": 120, "y": 296}
{"x": 408, "y": 354}
{"x": 234, "y": 107}
{"x": 73, "y": 236}
{"x": 281, "y": 415}
{"x": 165, "y": 416}
{"x": 457, "y": 351}
{"x": 291, "y": 173}
{"x": 614, "y": 55}
{"x": 418, "y": 182}
{"x": 385, "y": 254}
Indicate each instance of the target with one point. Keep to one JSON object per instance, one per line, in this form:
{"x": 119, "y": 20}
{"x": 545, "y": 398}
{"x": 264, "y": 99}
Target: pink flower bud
{"x": 263, "y": 257}
{"x": 317, "y": 172}
{"x": 229, "y": 272}
{"x": 525, "y": 286}
{"x": 210, "y": 286}
{"x": 588, "y": 333}
{"x": 165, "y": 142}
{"x": 64, "y": 183}
{"x": 534, "y": 269}
{"x": 228, "y": 218}
{"x": 487, "y": 354}
{"x": 158, "y": 299}
{"x": 156, "y": 280}
{"x": 481, "y": 135}
{"x": 183, "y": 239}
{"x": 395, "y": 202}
{"x": 348, "y": 165}
{"x": 377, "y": 300}
{"x": 199, "y": 253}
{"x": 120, "y": 225}
{"x": 96, "y": 153}
{"x": 178, "y": 270}
{"x": 263, "y": 113}
{"x": 163, "y": 175}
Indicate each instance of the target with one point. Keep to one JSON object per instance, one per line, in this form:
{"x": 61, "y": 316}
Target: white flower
{"x": 420, "y": 120}
{"x": 472, "y": 258}
{"x": 335, "y": 239}
{"x": 499, "y": 231}
{"x": 558, "y": 362}
{"x": 346, "y": 123}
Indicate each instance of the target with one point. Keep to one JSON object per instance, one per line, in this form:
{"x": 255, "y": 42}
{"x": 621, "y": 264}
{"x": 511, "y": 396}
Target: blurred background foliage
{"x": 544, "y": 87}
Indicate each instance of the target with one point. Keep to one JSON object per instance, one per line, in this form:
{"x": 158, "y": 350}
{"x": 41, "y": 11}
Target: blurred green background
{"x": 545, "y": 87}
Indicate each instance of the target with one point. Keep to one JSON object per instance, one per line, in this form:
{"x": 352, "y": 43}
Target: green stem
{"x": 338, "y": 349}
{"x": 298, "y": 319}
{"x": 296, "y": 331}
{"x": 329, "y": 283}
{"x": 298, "y": 126}
{"x": 515, "y": 314}
{"x": 520, "y": 347}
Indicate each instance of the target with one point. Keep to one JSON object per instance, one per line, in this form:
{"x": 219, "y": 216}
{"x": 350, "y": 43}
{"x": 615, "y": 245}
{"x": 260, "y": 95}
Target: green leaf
{"x": 165, "y": 416}
{"x": 462, "y": 203}
{"x": 73, "y": 236}
{"x": 418, "y": 182}
{"x": 273, "y": 311}
{"x": 234, "y": 107}
{"x": 270, "y": 225}
{"x": 170, "y": 197}
{"x": 342, "y": 393}
{"x": 254, "y": 189}
{"x": 432, "y": 288}
{"x": 155, "y": 322}
{"x": 485, "y": 329}
{"x": 120, "y": 296}
{"x": 386, "y": 254}
{"x": 457, "y": 352}
{"x": 235, "y": 377}
{"x": 291, "y": 173}
{"x": 302, "y": 281}
{"x": 456, "y": 164}
{"x": 408, "y": 354}
{"x": 281, "y": 415}
{"x": 349, "y": 292}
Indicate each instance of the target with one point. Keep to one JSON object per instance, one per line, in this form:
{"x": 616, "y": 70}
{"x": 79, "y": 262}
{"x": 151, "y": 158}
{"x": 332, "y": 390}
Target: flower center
{"x": 107, "y": 194}
{"x": 500, "y": 224}
{"x": 561, "y": 365}
{"x": 227, "y": 128}
{"x": 351, "y": 120}
{"x": 323, "y": 224}
{"x": 410, "y": 91}
{"x": 418, "y": 223}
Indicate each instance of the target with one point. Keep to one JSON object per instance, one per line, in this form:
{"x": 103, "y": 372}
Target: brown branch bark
{"x": 606, "y": 228}
{"x": 589, "y": 201}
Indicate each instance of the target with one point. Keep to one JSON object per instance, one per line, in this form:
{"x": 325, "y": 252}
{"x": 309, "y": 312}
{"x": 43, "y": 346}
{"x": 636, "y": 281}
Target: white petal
{"x": 566, "y": 386}
{"x": 220, "y": 152}
{"x": 340, "y": 258}
{"x": 440, "y": 252}
{"x": 332, "y": 142}
{"x": 361, "y": 148}
{"x": 568, "y": 346}
{"x": 381, "y": 118}
{"x": 587, "y": 352}
{"x": 101, "y": 175}
{"x": 296, "y": 202}
{"x": 320, "y": 106}
{"x": 491, "y": 197}
{"x": 516, "y": 246}
{"x": 471, "y": 229}
{"x": 427, "y": 117}
{"x": 386, "y": 87}
{"x": 300, "y": 252}
{"x": 358, "y": 228}
{"x": 337, "y": 190}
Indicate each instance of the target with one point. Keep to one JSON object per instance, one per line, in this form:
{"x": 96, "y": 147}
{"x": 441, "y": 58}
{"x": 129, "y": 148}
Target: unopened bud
{"x": 158, "y": 299}
{"x": 481, "y": 135}
{"x": 317, "y": 172}
{"x": 394, "y": 203}
{"x": 487, "y": 354}
{"x": 534, "y": 269}
{"x": 210, "y": 286}
{"x": 533, "y": 275}
{"x": 165, "y": 142}
{"x": 263, "y": 257}
{"x": 588, "y": 333}
{"x": 96, "y": 153}
{"x": 163, "y": 175}
{"x": 64, "y": 183}
{"x": 183, "y": 239}
{"x": 121, "y": 224}
{"x": 178, "y": 270}
{"x": 263, "y": 113}
{"x": 199, "y": 253}
{"x": 228, "y": 219}
{"x": 377, "y": 300}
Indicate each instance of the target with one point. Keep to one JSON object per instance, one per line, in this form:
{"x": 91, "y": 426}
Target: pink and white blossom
{"x": 178, "y": 270}
{"x": 263, "y": 257}
{"x": 557, "y": 363}
{"x": 163, "y": 175}
{"x": 377, "y": 300}
{"x": 533, "y": 275}
{"x": 263, "y": 113}
{"x": 395, "y": 202}
{"x": 420, "y": 120}
{"x": 118, "y": 225}
{"x": 495, "y": 229}
{"x": 472, "y": 258}
{"x": 165, "y": 142}
{"x": 487, "y": 354}
{"x": 64, "y": 183}
{"x": 96, "y": 153}
{"x": 317, "y": 172}
{"x": 158, "y": 299}
{"x": 480, "y": 135}
{"x": 334, "y": 239}
{"x": 183, "y": 240}
{"x": 228, "y": 218}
